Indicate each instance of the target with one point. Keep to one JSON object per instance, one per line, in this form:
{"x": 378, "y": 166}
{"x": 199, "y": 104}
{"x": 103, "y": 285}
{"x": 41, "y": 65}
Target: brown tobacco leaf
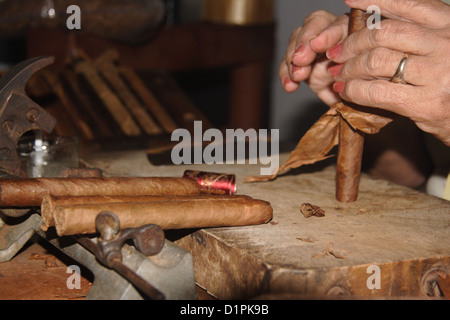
{"x": 313, "y": 147}
{"x": 361, "y": 119}
{"x": 324, "y": 135}
{"x": 310, "y": 210}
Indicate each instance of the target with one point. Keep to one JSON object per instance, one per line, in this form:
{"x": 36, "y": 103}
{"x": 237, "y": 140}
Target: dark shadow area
{"x": 210, "y": 92}
{"x": 304, "y": 120}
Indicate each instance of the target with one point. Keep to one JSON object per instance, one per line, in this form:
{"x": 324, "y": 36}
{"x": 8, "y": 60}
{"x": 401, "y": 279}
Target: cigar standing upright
{"x": 351, "y": 142}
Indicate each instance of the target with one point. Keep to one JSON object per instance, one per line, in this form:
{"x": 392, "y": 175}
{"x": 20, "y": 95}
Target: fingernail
{"x": 289, "y": 85}
{"x": 311, "y": 39}
{"x": 287, "y": 80}
{"x": 296, "y": 69}
{"x": 334, "y": 52}
{"x": 300, "y": 50}
{"x": 339, "y": 86}
{"x": 334, "y": 71}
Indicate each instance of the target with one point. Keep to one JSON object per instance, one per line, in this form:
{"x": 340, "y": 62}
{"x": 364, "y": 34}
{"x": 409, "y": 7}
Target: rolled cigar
{"x": 358, "y": 20}
{"x": 49, "y": 203}
{"x": 351, "y": 142}
{"x": 30, "y": 192}
{"x": 188, "y": 213}
{"x": 348, "y": 170}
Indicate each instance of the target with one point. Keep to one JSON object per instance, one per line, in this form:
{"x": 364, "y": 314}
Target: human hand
{"x": 369, "y": 58}
{"x": 305, "y": 60}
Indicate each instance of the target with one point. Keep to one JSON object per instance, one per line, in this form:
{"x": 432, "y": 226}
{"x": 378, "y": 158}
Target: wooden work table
{"x": 403, "y": 232}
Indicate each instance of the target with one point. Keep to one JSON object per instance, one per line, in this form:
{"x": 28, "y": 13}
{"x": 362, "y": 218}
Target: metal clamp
{"x": 148, "y": 239}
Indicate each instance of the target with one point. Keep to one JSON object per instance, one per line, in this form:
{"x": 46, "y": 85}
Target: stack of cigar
{"x": 72, "y": 204}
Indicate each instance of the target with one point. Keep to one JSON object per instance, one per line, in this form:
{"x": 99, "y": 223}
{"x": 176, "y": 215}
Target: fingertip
{"x": 304, "y": 59}
{"x": 284, "y": 71}
{"x": 351, "y": 3}
{"x": 339, "y": 87}
{"x": 300, "y": 74}
{"x": 335, "y": 70}
{"x": 334, "y": 52}
{"x": 330, "y": 36}
{"x": 311, "y": 39}
{"x": 318, "y": 43}
{"x": 289, "y": 85}
{"x": 300, "y": 50}
{"x": 303, "y": 55}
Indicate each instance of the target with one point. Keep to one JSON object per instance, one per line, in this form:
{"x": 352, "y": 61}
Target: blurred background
{"x": 249, "y": 96}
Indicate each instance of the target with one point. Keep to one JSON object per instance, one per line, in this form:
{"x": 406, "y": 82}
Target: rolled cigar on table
{"x": 49, "y": 203}
{"x": 179, "y": 213}
{"x": 30, "y": 192}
